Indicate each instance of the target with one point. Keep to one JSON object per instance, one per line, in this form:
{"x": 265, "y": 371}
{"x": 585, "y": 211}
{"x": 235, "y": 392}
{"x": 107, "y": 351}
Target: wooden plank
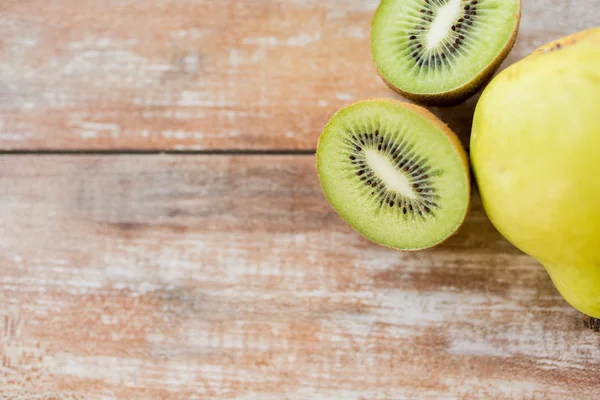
{"x": 197, "y": 277}
{"x": 203, "y": 74}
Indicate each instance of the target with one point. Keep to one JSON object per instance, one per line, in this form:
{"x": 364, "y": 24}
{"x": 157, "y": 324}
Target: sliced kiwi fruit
{"x": 440, "y": 52}
{"x": 395, "y": 173}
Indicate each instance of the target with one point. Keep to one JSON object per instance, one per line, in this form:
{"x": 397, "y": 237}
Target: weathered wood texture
{"x": 197, "y": 277}
{"x": 203, "y": 74}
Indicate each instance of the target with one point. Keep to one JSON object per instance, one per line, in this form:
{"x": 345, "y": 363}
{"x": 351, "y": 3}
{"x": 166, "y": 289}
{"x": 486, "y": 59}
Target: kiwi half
{"x": 440, "y": 52}
{"x": 395, "y": 173}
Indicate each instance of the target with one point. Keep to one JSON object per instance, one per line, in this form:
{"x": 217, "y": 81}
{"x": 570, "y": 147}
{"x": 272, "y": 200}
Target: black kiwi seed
{"x": 352, "y": 158}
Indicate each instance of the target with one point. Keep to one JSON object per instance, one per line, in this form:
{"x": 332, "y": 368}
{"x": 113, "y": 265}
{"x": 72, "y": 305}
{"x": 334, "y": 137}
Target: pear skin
{"x": 535, "y": 152}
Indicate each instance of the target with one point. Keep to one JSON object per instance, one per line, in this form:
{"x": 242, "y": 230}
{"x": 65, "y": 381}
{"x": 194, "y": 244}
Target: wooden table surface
{"x": 217, "y": 270}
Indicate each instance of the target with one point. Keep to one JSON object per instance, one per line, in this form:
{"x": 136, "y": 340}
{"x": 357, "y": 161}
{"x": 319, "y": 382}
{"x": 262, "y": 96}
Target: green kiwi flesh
{"x": 395, "y": 173}
{"x": 440, "y": 52}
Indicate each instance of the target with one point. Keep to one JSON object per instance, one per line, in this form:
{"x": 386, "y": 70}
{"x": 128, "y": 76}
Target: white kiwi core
{"x": 446, "y": 17}
{"x": 390, "y": 175}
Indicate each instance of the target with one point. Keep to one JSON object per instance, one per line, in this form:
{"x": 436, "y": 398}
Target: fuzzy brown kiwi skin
{"x": 456, "y": 144}
{"x": 462, "y": 93}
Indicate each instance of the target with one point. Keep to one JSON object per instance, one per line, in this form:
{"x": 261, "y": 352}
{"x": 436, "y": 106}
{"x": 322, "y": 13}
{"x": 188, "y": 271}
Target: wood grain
{"x": 204, "y": 74}
{"x": 219, "y": 277}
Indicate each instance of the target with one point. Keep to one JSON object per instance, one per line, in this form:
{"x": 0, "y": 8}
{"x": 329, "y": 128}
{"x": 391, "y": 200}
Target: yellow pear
{"x": 535, "y": 152}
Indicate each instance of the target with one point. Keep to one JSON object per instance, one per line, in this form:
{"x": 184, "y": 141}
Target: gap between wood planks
{"x": 273, "y": 152}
